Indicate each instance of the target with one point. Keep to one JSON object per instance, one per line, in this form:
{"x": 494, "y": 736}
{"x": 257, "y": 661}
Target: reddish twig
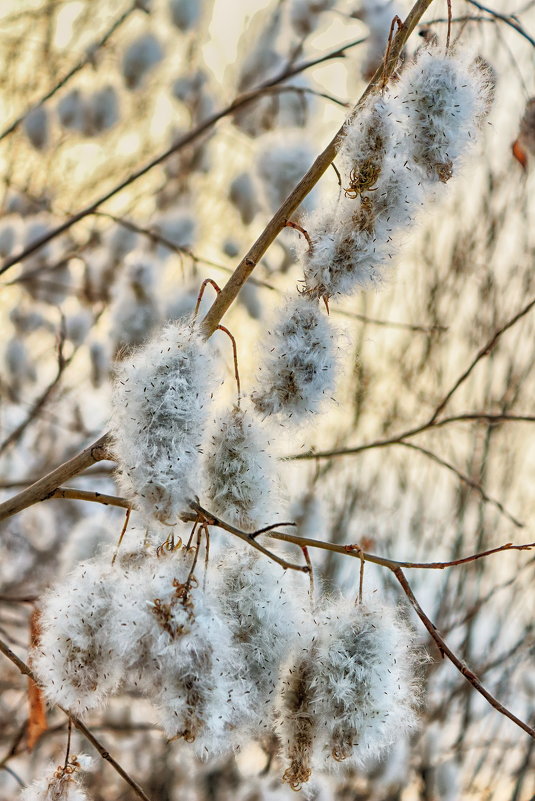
{"x": 445, "y": 650}
{"x": 296, "y": 227}
{"x": 235, "y": 357}
{"x": 201, "y": 293}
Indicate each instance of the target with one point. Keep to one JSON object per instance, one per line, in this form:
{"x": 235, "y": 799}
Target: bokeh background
{"x": 121, "y": 82}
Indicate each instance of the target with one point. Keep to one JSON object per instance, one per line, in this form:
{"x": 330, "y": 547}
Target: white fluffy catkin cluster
{"x": 393, "y": 151}
{"x": 350, "y": 691}
{"x": 444, "y": 99}
{"x": 359, "y": 235}
{"x": 263, "y": 610}
{"x": 62, "y": 783}
{"x": 176, "y": 648}
{"x": 160, "y": 401}
{"x": 239, "y": 471}
{"x": 298, "y": 367}
{"x": 75, "y": 659}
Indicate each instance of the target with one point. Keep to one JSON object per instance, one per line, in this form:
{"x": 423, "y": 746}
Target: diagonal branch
{"x": 239, "y": 102}
{"x": 445, "y": 650}
{"x": 104, "y": 753}
{"x": 485, "y": 351}
{"x": 244, "y": 269}
{"x": 89, "y": 57}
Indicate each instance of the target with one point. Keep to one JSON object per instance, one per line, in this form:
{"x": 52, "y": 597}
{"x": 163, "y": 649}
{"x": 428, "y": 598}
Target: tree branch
{"x": 239, "y": 102}
{"x": 104, "y": 753}
{"x": 244, "y": 269}
{"x": 44, "y": 487}
{"x": 445, "y": 650}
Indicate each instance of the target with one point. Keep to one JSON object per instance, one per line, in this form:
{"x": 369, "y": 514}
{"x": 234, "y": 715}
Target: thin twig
{"x": 513, "y": 23}
{"x": 43, "y": 487}
{"x": 104, "y": 753}
{"x": 465, "y": 479}
{"x": 212, "y": 520}
{"x": 485, "y": 351}
{"x": 89, "y": 58}
{"x": 445, "y": 650}
{"x": 74, "y": 494}
{"x": 239, "y": 102}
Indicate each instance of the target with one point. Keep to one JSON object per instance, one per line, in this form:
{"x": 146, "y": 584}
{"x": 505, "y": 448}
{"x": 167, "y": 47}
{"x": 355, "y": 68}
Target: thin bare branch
{"x": 104, "y": 753}
{"x": 485, "y": 351}
{"x": 508, "y": 20}
{"x": 89, "y": 58}
{"x": 445, "y": 650}
{"x": 239, "y": 102}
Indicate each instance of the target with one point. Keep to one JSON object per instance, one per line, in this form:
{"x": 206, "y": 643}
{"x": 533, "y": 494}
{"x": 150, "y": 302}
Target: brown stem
{"x": 201, "y": 293}
{"x": 104, "y": 753}
{"x": 234, "y": 356}
{"x": 445, "y": 650}
{"x": 485, "y": 351}
{"x": 45, "y": 486}
{"x": 72, "y": 493}
{"x": 276, "y": 224}
{"x": 212, "y": 520}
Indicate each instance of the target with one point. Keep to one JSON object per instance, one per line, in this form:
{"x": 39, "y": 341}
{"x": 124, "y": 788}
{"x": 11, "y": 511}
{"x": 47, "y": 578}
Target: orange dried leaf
{"x": 37, "y": 723}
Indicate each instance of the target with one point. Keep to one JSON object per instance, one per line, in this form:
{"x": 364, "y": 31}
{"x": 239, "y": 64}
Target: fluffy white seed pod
{"x": 240, "y": 474}
{"x": 71, "y": 110}
{"x": 444, "y": 99}
{"x": 242, "y": 195}
{"x": 61, "y": 783}
{"x": 102, "y": 111}
{"x": 355, "y": 241}
{"x": 185, "y": 14}
{"x": 75, "y": 659}
{"x": 282, "y": 161}
{"x": 177, "y": 645}
{"x": 367, "y": 676}
{"x": 298, "y": 706}
{"x": 134, "y": 312}
{"x": 36, "y": 127}
{"x": 368, "y": 138}
{"x": 139, "y": 58}
{"x": 351, "y": 692}
{"x": 161, "y": 402}
{"x": 304, "y": 14}
{"x": 378, "y": 16}
{"x": 263, "y": 607}
{"x": 298, "y": 368}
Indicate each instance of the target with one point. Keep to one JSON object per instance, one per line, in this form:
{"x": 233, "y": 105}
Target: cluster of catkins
{"x": 238, "y": 657}
{"x": 397, "y": 151}
{"x": 236, "y": 654}
{"x": 61, "y": 784}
